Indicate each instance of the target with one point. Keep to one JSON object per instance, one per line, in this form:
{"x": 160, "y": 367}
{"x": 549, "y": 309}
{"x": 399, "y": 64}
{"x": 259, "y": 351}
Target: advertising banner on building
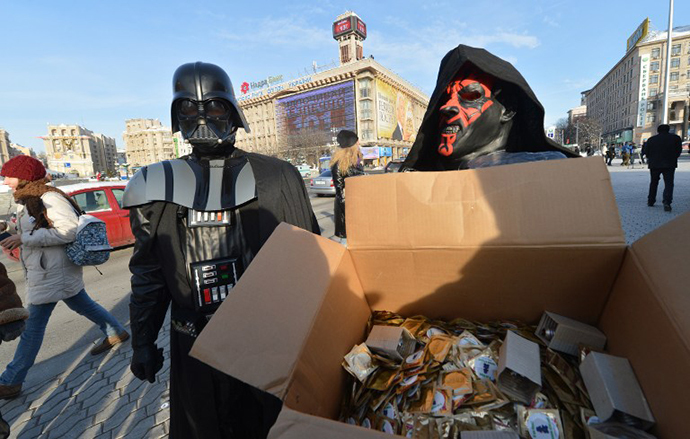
{"x": 370, "y": 152}
{"x": 395, "y": 116}
{"x": 644, "y": 83}
{"x": 314, "y": 118}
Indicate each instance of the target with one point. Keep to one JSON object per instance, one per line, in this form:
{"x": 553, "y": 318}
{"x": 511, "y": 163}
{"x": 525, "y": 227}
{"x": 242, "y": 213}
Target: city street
{"x": 70, "y": 394}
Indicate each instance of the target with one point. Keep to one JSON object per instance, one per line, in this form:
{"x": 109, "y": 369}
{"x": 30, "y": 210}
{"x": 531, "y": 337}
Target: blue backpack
{"x": 91, "y": 246}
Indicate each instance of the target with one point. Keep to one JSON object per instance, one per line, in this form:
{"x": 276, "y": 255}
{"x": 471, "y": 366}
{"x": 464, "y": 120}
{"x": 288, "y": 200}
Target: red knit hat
{"x": 23, "y": 167}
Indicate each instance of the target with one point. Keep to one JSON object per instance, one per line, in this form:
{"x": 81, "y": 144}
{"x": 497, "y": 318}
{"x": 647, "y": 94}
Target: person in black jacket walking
{"x": 346, "y": 162}
{"x": 662, "y": 152}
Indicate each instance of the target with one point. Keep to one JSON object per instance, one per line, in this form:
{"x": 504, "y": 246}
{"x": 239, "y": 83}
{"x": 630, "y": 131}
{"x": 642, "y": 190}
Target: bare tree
{"x": 589, "y": 132}
{"x": 305, "y": 145}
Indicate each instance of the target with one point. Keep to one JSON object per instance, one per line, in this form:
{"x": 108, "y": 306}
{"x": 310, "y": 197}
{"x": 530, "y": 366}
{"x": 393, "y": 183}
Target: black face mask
{"x": 206, "y": 124}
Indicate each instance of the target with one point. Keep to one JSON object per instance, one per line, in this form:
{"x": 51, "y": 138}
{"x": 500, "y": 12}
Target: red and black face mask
{"x": 469, "y": 96}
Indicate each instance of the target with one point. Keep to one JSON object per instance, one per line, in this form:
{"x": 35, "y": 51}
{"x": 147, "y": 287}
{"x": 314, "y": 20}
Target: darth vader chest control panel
{"x": 213, "y": 281}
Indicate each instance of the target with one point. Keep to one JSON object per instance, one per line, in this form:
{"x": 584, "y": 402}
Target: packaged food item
{"x": 439, "y": 346}
{"x": 359, "y": 363}
{"x": 540, "y": 423}
{"x": 414, "y": 360}
{"x": 383, "y": 379}
{"x": 387, "y": 425}
{"x": 485, "y": 365}
{"x": 426, "y": 401}
{"x": 458, "y": 380}
{"x": 443, "y": 401}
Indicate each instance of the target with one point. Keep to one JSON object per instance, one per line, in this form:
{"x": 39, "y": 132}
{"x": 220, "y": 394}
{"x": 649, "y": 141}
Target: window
{"x": 675, "y": 50}
{"x": 365, "y": 88}
{"x": 674, "y": 76}
{"x": 655, "y": 53}
{"x": 94, "y": 201}
{"x": 651, "y": 106}
{"x": 651, "y": 118}
{"x": 653, "y": 92}
{"x": 654, "y": 79}
{"x": 654, "y": 67}
{"x": 365, "y": 109}
{"x": 675, "y": 63}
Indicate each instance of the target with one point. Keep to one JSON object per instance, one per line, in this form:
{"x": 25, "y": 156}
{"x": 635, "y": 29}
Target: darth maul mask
{"x": 472, "y": 122}
{"x": 204, "y": 107}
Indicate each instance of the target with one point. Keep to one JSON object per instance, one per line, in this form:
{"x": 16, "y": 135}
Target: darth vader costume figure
{"x": 198, "y": 223}
{"x": 481, "y": 113}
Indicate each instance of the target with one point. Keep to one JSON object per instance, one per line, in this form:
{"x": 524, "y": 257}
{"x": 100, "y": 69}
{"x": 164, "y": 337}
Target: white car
{"x": 304, "y": 170}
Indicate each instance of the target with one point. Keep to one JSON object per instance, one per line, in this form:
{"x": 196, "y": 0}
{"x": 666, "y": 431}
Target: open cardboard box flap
{"x": 646, "y": 321}
{"x": 541, "y": 203}
{"x": 515, "y": 241}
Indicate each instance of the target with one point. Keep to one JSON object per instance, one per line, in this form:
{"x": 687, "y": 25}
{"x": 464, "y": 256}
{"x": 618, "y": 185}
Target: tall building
{"x": 6, "y": 150}
{"x": 73, "y": 149}
{"x": 24, "y": 150}
{"x": 147, "y": 141}
{"x": 628, "y": 100}
{"x": 299, "y": 119}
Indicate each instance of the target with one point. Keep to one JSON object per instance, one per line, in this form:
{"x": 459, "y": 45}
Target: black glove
{"x": 10, "y": 331}
{"x": 146, "y": 362}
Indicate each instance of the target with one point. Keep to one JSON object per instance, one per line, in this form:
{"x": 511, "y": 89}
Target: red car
{"x": 103, "y": 200}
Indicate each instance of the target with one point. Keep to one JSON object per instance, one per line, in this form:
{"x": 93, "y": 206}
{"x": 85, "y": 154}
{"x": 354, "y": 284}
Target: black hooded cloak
{"x": 527, "y": 133}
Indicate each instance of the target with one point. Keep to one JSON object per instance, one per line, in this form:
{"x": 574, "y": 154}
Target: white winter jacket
{"x": 50, "y": 275}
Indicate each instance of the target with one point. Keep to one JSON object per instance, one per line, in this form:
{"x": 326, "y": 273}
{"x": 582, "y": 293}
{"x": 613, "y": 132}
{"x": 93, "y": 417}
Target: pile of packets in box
{"x": 429, "y": 379}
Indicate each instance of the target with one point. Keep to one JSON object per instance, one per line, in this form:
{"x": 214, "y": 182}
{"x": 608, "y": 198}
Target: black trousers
{"x": 208, "y": 404}
{"x": 655, "y": 174}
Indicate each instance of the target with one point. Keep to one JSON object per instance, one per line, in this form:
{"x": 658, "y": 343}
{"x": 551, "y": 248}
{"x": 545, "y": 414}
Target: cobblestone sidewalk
{"x": 97, "y": 398}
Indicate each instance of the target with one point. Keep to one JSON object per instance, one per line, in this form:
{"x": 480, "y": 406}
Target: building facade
{"x": 73, "y": 149}
{"x": 147, "y": 141}
{"x": 6, "y": 150}
{"x": 299, "y": 119}
{"x": 628, "y": 100}
{"x": 24, "y": 150}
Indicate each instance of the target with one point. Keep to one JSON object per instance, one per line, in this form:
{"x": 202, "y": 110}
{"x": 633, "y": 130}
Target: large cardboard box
{"x": 505, "y": 242}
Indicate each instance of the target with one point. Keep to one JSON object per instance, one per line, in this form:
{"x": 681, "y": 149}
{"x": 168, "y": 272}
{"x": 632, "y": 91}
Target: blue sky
{"x": 99, "y": 63}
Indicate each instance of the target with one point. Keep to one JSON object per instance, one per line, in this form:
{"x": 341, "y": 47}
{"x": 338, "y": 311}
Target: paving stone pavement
{"x": 98, "y": 397}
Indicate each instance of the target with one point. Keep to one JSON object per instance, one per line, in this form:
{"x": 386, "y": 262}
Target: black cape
{"x": 206, "y": 403}
{"x": 527, "y": 133}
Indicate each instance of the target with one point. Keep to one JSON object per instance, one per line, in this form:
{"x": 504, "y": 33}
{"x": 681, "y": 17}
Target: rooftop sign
{"x": 639, "y": 33}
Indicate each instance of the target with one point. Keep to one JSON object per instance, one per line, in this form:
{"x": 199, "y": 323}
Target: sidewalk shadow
{"x": 74, "y": 399}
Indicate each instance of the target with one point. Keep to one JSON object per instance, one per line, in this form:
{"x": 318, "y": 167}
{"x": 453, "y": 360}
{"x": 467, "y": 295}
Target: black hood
{"x": 527, "y": 133}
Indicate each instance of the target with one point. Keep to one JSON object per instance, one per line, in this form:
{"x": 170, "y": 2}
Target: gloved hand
{"x": 10, "y": 331}
{"x": 146, "y": 362}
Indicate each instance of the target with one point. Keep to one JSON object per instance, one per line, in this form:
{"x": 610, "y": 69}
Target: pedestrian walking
{"x": 642, "y": 152}
{"x": 625, "y": 153}
{"x": 662, "y": 153}
{"x": 220, "y": 206}
{"x": 346, "y": 162}
{"x": 47, "y": 221}
{"x": 610, "y": 153}
{"x": 12, "y": 323}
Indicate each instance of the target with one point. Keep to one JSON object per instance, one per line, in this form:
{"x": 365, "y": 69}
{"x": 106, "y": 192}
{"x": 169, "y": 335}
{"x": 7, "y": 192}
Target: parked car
{"x": 304, "y": 170}
{"x": 323, "y": 184}
{"x": 104, "y": 200}
{"x": 393, "y": 166}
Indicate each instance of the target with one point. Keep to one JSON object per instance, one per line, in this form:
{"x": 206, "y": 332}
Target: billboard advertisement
{"x": 642, "y": 97}
{"x": 315, "y": 117}
{"x": 639, "y": 33}
{"x": 395, "y": 117}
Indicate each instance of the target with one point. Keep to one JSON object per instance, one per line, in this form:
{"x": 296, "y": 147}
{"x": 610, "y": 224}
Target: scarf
{"x": 30, "y": 194}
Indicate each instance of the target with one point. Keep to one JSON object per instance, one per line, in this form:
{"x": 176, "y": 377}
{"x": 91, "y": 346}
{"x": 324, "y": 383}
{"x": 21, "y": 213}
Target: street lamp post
{"x": 667, "y": 76}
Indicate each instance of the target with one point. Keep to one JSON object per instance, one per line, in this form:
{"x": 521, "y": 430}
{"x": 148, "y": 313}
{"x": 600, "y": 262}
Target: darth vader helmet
{"x": 204, "y": 108}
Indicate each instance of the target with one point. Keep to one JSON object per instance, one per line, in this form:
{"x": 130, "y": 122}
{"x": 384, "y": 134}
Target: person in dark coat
{"x": 481, "y": 113}
{"x": 12, "y": 322}
{"x": 662, "y": 152}
{"x": 346, "y": 162}
{"x": 198, "y": 222}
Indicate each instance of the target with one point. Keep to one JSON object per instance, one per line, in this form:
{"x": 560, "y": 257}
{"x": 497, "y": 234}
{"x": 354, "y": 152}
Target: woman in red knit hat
{"x": 47, "y": 221}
